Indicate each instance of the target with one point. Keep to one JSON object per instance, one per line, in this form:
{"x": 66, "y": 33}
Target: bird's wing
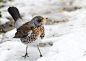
{"x": 23, "y": 31}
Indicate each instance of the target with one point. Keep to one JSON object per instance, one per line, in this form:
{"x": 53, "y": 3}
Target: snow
{"x": 3, "y": 21}
{"x": 68, "y": 38}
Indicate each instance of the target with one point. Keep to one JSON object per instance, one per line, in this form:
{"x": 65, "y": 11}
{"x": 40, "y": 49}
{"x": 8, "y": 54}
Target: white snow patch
{"x": 3, "y": 21}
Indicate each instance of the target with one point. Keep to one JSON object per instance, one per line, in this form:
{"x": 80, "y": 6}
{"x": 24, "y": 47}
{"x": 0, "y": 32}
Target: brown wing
{"x": 22, "y": 31}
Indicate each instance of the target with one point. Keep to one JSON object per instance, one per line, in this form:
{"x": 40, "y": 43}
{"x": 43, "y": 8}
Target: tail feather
{"x": 14, "y": 13}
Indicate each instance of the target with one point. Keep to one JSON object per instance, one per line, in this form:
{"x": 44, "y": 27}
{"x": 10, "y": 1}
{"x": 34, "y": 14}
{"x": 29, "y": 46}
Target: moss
{"x": 0, "y": 13}
{"x": 1, "y": 0}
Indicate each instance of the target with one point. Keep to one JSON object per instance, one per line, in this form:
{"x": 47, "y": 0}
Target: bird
{"x": 30, "y": 31}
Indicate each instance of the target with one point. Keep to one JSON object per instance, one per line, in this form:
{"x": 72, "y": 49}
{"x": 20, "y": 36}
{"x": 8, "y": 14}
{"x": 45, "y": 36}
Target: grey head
{"x": 37, "y": 21}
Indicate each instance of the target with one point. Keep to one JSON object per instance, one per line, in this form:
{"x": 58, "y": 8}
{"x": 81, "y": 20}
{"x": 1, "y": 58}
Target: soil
{"x": 7, "y": 26}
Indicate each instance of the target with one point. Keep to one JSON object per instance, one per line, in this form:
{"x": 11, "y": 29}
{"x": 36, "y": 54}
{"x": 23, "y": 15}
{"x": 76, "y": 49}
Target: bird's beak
{"x": 44, "y": 19}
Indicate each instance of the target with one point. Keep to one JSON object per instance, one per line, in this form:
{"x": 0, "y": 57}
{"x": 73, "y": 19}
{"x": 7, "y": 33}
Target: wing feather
{"x": 23, "y": 31}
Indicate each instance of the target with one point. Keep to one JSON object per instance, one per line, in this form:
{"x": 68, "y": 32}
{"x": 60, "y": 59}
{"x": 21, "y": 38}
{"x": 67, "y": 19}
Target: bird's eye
{"x": 38, "y": 20}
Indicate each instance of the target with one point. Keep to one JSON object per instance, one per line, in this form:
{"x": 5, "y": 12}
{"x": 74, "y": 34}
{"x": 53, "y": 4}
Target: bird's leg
{"x": 26, "y": 54}
{"x": 39, "y": 51}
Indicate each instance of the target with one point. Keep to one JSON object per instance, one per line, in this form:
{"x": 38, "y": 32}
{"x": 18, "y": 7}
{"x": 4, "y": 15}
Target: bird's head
{"x": 37, "y": 21}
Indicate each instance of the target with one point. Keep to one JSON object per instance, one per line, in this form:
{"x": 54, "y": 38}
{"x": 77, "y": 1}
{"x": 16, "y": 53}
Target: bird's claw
{"x": 40, "y": 55}
{"x": 26, "y": 55}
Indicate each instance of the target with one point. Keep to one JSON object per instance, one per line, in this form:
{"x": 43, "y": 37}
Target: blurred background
{"x": 53, "y": 9}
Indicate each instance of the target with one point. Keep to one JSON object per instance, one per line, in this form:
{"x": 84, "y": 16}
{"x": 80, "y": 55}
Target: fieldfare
{"x": 30, "y": 31}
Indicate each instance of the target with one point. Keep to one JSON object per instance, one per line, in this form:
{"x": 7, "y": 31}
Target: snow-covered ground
{"x": 68, "y": 38}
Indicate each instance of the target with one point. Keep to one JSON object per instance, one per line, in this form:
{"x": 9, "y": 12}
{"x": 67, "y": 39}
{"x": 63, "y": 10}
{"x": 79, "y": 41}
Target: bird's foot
{"x": 26, "y": 55}
{"x": 40, "y": 55}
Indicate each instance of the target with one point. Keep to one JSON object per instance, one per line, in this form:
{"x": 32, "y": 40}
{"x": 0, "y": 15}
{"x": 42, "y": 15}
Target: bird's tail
{"x": 14, "y": 13}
